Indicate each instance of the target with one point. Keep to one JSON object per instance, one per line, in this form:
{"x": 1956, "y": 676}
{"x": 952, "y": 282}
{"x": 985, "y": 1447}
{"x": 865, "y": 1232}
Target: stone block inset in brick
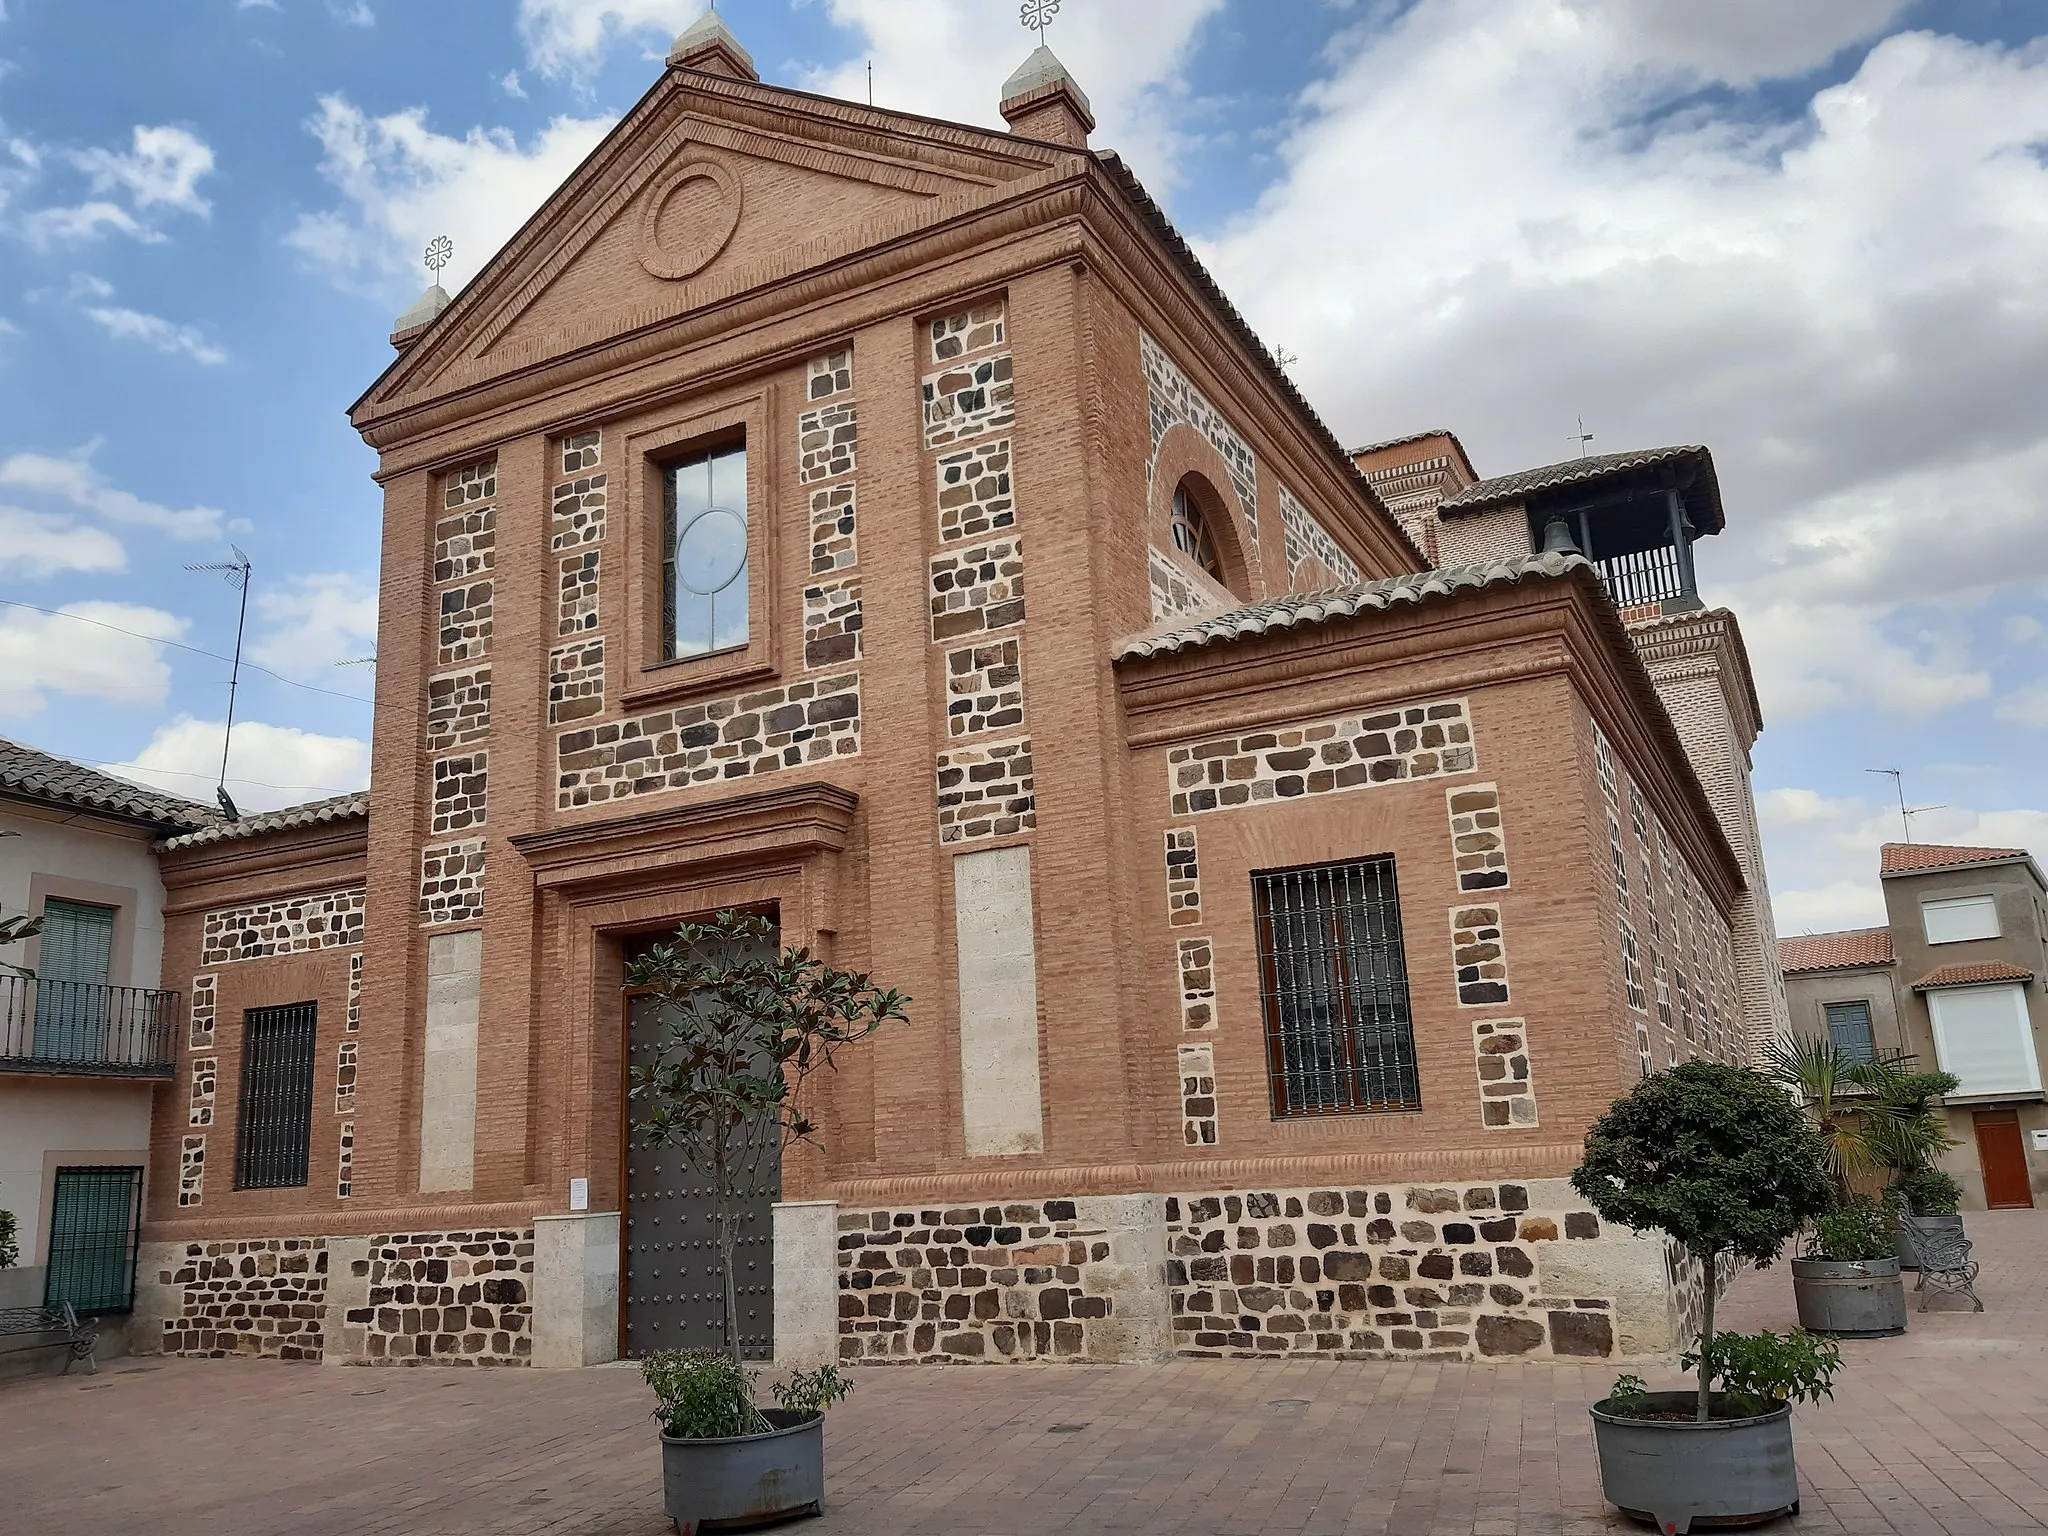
{"x": 1196, "y": 961}
{"x": 978, "y": 588}
{"x": 289, "y": 926}
{"x": 829, "y": 375}
{"x": 577, "y": 583}
{"x": 984, "y": 688}
{"x": 1479, "y": 952}
{"x": 1314, "y": 559}
{"x": 456, "y": 1298}
{"x": 578, "y": 517}
{"x": 458, "y": 792}
{"x": 583, "y": 451}
{"x": 1177, "y": 591}
{"x": 452, "y": 882}
{"x": 465, "y": 544}
{"x": 1507, "y": 1094}
{"x": 968, "y": 399}
{"x": 811, "y": 721}
{"x": 827, "y": 443}
{"x": 832, "y": 623}
{"x": 205, "y": 1078}
{"x": 345, "y": 1078}
{"x": 192, "y": 1171}
{"x": 1198, "y": 1094}
{"x": 465, "y": 624}
{"x": 1171, "y": 398}
{"x": 467, "y": 487}
{"x": 200, "y": 1005}
{"x": 983, "y": 1283}
{"x": 576, "y": 681}
{"x": 970, "y": 330}
{"x": 458, "y": 708}
{"x": 833, "y": 545}
{"x": 1374, "y": 1273}
{"x": 1183, "y": 878}
{"x": 974, "y": 492}
{"x": 1321, "y": 757}
{"x": 1479, "y": 843}
{"x": 985, "y": 790}
{"x": 265, "y": 1297}
{"x": 345, "y": 1162}
{"x": 354, "y": 1020}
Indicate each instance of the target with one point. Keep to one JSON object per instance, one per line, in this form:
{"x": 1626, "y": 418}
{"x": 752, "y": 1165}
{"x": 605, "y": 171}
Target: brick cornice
{"x": 279, "y": 864}
{"x": 352, "y": 1221}
{"x": 1705, "y": 645}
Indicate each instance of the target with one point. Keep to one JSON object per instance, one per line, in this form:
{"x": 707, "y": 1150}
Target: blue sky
{"x": 1809, "y": 236}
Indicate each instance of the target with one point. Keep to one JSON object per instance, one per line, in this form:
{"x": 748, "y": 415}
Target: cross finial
{"x": 1582, "y": 437}
{"x": 440, "y": 251}
{"x": 1037, "y": 15}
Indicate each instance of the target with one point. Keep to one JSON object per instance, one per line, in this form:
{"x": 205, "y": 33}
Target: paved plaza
{"x": 1944, "y": 1430}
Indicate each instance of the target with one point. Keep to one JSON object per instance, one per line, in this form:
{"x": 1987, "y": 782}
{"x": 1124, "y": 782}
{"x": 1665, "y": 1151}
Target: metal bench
{"x": 78, "y": 1339}
{"x": 1946, "y": 1267}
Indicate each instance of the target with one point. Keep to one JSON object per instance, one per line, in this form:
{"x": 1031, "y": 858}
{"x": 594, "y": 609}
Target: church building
{"x": 888, "y": 526}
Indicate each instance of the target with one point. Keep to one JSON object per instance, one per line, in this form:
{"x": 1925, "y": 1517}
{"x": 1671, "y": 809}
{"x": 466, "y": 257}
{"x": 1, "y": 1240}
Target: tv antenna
{"x": 1582, "y": 437}
{"x": 1285, "y": 358}
{"x": 1906, "y": 812}
{"x": 440, "y": 251}
{"x": 236, "y": 573}
{"x": 1037, "y": 15}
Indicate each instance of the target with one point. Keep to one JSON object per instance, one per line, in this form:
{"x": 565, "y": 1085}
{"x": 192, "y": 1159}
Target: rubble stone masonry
{"x": 1322, "y": 757}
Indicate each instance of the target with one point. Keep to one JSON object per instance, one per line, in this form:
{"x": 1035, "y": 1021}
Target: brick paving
{"x": 1944, "y": 1430}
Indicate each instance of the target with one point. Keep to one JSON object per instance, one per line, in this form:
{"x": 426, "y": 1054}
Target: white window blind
{"x": 1981, "y": 1034}
{"x": 1956, "y": 918}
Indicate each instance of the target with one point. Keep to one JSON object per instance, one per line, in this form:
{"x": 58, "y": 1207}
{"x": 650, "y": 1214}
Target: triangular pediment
{"x": 708, "y": 188}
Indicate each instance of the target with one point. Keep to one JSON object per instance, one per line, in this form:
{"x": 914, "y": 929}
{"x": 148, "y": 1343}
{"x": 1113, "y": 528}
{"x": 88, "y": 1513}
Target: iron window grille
{"x": 1849, "y": 1028}
{"x": 1340, "y": 1035}
{"x": 274, "y": 1129}
{"x": 95, "y": 1224}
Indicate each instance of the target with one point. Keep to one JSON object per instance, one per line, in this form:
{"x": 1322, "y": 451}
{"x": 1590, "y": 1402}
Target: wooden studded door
{"x": 674, "y": 1292}
{"x": 2002, "y": 1153}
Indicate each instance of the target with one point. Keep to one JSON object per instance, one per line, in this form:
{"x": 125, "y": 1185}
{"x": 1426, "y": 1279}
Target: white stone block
{"x": 999, "y": 1088}
{"x": 575, "y": 1289}
{"x": 806, "y": 1284}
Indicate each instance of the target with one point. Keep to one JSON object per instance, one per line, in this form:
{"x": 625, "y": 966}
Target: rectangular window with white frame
{"x": 1983, "y": 1036}
{"x": 1952, "y": 919}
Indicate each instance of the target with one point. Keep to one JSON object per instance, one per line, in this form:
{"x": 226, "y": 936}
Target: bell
{"x": 1557, "y": 538}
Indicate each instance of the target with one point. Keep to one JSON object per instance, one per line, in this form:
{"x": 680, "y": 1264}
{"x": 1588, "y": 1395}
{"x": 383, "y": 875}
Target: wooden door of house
{"x": 2002, "y": 1153}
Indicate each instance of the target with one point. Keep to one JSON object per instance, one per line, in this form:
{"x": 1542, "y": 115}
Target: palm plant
{"x": 1825, "y": 1079}
{"x": 1871, "y": 1115}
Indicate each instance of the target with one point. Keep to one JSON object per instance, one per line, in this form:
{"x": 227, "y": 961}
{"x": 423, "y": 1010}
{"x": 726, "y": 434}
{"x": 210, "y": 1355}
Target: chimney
{"x": 707, "y": 47}
{"x": 1041, "y": 101}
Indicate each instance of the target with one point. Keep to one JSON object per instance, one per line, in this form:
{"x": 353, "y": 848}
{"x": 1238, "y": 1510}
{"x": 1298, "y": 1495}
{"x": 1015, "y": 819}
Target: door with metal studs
{"x": 673, "y": 1290}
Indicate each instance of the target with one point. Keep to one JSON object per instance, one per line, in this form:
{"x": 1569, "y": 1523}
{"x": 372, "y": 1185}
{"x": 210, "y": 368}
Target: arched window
{"x": 1191, "y": 532}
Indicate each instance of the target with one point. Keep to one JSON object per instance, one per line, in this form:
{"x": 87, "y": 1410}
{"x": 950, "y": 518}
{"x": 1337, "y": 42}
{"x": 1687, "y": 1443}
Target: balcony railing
{"x": 83, "y": 1029}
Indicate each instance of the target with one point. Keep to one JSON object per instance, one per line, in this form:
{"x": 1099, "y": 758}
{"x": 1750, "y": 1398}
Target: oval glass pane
{"x": 711, "y": 550}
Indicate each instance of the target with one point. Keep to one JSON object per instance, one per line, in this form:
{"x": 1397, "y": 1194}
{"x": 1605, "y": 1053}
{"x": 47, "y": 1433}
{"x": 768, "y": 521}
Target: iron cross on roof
{"x": 438, "y": 254}
{"x": 1037, "y": 15}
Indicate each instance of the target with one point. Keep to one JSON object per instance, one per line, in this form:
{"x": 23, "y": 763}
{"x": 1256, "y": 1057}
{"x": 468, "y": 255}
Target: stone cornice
{"x": 768, "y": 827}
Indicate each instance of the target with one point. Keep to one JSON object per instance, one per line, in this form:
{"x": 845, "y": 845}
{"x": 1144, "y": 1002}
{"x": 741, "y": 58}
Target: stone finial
{"x": 707, "y": 45}
{"x": 425, "y": 309}
{"x": 1041, "y": 101}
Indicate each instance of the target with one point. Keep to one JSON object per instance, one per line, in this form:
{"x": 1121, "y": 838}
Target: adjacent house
{"x": 86, "y": 1039}
{"x": 1954, "y": 979}
{"x": 887, "y": 525}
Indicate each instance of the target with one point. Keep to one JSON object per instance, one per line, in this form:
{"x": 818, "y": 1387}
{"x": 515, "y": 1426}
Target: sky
{"x": 1810, "y": 236}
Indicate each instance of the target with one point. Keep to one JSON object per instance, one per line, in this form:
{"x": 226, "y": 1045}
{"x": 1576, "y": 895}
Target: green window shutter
{"x": 78, "y": 942}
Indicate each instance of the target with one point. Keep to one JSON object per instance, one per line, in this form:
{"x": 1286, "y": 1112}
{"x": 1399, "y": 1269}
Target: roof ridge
{"x": 285, "y": 818}
{"x": 29, "y": 773}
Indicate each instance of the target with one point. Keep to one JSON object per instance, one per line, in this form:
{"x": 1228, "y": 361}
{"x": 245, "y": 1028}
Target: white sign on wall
{"x": 579, "y": 1194}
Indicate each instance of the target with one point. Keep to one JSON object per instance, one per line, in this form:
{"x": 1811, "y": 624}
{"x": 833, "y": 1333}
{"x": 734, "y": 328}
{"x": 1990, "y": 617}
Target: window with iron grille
{"x": 1849, "y": 1028}
{"x": 274, "y": 1129}
{"x": 95, "y": 1218}
{"x": 1333, "y": 976}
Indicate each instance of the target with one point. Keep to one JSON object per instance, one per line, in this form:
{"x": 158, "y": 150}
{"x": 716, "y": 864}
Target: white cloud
{"x": 74, "y": 479}
{"x": 403, "y": 184}
{"x": 41, "y": 654}
{"x": 1824, "y": 851}
{"x": 269, "y": 765}
{"x": 2028, "y": 707}
{"x": 314, "y": 622}
{"x": 2022, "y": 629}
{"x": 1845, "y": 306}
{"x": 510, "y": 84}
{"x": 155, "y": 331}
{"x": 256, "y": 5}
{"x": 162, "y": 169}
{"x": 352, "y": 13}
{"x": 56, "y": 226}
{"x": 567, "y": 37}
{"x": 40, "y": 544}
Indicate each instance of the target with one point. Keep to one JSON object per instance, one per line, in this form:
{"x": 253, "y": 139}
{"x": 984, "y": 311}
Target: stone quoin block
{"x": 1479, "y": 845}
{"x": 465, "y": 545}
{"x": 200, "y": 1004}
{"x": 968, "y": 399}
{"x": 984, "y": 688}
{"x": 452, "y": 882}
{"x": 1196, "y": 957}
{"x": 458, "y": 708}
{"x": 576, "y": 582}
{"x": 578, "y": 512}
{"x": 576, "y": 681}
{"x": 1183, "y": 878}
{"x": 832, "y": 623}
{"x": 834, "y": 546}
{"x": 1197, "y": 1065}
{"x": 829, "y": 375}
{"x": 1507, "y": 1095}
{"x": 205, "y": 1074}
{"x": 985, "y": 789}
{"x": 1479, "y": 954}
{"x": 969, "y": 330}
{"x": 583, "y": 451}
{"x": 975, "y": 499}
{"x": 977, "y": 589}
{"x": 827, "y": 443}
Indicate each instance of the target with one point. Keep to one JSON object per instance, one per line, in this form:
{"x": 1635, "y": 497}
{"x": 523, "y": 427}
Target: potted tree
{"x": 1847, "y": 1282}
{"x": 745, "y": 1025}
{"x": 1721, "y": 1160}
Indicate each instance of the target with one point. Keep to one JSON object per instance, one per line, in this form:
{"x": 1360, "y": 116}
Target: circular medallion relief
{"x": 689, "y": 216}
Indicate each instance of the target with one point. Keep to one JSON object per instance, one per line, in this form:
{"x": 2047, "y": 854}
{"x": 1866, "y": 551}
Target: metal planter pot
{"x": 1856, "y": 1298}
{"x": 748, "y": 1479}
{"x": 1674, "y": 1473}
{"x": 1909, "y": 1256}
